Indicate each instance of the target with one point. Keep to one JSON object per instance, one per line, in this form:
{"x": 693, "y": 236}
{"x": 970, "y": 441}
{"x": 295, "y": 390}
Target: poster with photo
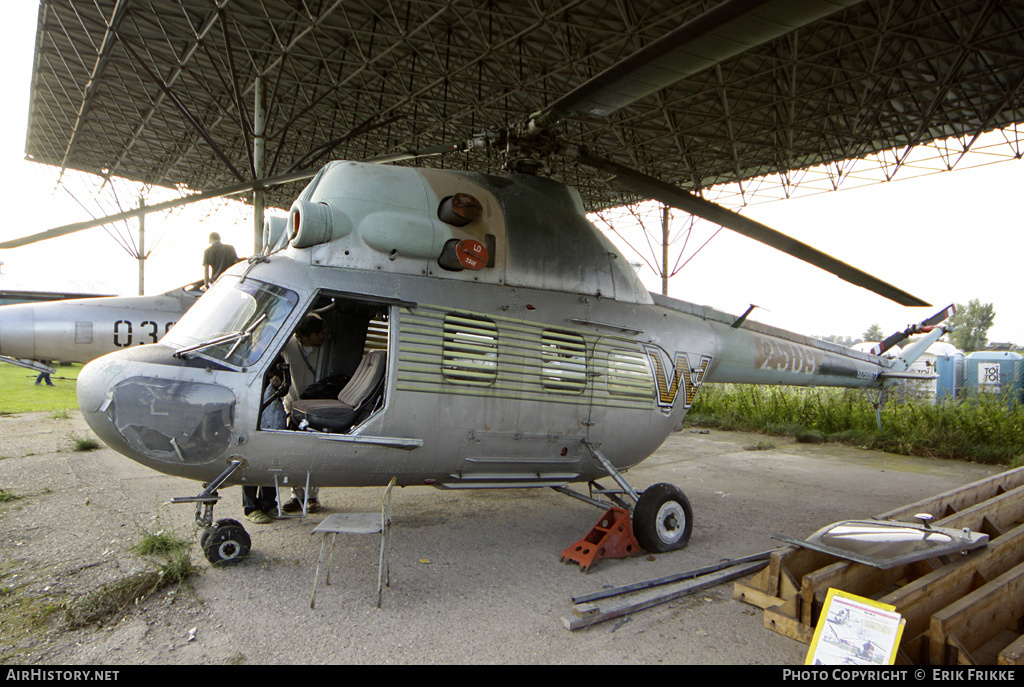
{"x": 853, "y": 630}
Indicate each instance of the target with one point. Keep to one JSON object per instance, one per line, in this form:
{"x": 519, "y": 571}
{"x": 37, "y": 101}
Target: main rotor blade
{"x": 725, "y": 31}
{"x": 649, "y": 187}
{"x": 421, "y": 152}
{"x": 127, "y": 214}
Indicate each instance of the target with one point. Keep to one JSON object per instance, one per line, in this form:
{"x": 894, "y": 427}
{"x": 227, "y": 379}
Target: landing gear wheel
{"x": 663, "y": 519}
{"x": 226, "y": 544}
{"x": 220, "y": 523}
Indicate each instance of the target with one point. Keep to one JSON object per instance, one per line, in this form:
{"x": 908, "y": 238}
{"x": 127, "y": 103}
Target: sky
{"x": 948, "y": 237}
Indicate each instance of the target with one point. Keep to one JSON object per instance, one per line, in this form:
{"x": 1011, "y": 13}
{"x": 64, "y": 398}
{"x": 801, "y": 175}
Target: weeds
{"x": 983, "y": 429}
{"x": 86, "y": 443}
{"x": 6, "y": 496}
{"x": 159, "y": 543}
{"x": 166, "y": 550}
{"x": 111, "y": 599}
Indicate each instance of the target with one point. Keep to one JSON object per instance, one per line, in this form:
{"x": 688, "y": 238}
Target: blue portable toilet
{"x": 998, "y": 372}
{"x": 950, "y": 369}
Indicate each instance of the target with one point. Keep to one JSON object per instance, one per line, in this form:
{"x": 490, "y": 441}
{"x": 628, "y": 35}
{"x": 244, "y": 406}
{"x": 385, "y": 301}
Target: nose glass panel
{"x": 173, "y": 421}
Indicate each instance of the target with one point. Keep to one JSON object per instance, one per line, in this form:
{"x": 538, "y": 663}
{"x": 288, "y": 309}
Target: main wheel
{"x": 663, "y": 519}
{"x": 226, "y": 544}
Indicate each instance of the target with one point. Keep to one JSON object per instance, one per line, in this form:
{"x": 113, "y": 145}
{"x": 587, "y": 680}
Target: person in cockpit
{"x": 259, "y": 504}
{"x": 304, "y": 353}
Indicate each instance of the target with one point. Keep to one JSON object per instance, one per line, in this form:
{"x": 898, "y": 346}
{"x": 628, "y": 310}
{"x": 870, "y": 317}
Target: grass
{"x": 21, "y": 395}
{"x": 24, "y": 615}
{"x": 983, "y": 429}
{"x": 84, "y": 443}
{"x": 167, "y": 551}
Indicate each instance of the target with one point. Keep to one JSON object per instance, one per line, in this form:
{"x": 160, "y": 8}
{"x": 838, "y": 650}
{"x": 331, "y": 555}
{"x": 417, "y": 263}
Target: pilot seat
{"x": 355, "y": 401}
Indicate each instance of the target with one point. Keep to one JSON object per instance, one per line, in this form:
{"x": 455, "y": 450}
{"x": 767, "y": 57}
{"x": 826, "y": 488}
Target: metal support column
{"x": 258, "y": 149}
{"x": 664, "y": 250}
{"x": 142, "y": 246}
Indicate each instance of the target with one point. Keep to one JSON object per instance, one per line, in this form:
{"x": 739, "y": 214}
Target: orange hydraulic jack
{"x": 611, "y": 537}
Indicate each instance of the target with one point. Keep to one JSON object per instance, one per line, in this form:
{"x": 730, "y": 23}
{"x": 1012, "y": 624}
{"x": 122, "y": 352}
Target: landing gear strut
{"x": 224, "y": 542}
{"x": 662, "y": 516}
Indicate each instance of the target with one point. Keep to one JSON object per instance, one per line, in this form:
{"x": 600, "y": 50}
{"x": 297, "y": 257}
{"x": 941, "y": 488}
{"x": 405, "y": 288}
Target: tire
{"x": 663, "y": 519}
{"x": 207, "y": 531}
{"x": 226, "y": 544}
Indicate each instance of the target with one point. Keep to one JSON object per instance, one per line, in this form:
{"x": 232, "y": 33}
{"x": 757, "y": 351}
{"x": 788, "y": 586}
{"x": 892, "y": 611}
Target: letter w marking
{"x": 671, "y": 374}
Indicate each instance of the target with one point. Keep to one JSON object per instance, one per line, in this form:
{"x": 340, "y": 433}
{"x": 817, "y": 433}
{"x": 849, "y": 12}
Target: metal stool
{"x": 359, "y": 523}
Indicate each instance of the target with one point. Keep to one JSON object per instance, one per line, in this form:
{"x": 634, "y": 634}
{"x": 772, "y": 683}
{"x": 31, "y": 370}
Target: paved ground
{"x": 476, "y": 577}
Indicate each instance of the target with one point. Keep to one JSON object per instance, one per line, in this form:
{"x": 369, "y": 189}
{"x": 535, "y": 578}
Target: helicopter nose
{"x": 154, "y": 413}
{"x": 93, "y": 381}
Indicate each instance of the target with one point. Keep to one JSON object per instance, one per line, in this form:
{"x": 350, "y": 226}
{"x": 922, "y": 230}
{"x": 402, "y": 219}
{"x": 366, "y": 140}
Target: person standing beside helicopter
{"x": 303, "y": 353}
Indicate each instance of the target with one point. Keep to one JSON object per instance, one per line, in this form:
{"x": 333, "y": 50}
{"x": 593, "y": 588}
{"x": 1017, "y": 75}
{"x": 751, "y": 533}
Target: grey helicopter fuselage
{"x": 517, "y": 342}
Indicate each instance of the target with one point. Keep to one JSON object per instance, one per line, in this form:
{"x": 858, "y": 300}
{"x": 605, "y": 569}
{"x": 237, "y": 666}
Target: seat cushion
{"x": 324, "y": 413}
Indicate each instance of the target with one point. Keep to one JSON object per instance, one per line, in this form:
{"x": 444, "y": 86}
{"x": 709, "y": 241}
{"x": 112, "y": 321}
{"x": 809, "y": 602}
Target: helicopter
{"x": 495, "y": 337}
{"x": 490, "y": 335}
{"x": 83, "y": 329}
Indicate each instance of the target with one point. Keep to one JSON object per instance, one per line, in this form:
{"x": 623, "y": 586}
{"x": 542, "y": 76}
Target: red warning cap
{"x": 471, "y": 254}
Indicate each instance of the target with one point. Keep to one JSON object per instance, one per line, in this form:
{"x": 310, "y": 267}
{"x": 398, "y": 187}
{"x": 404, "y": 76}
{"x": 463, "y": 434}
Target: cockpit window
{"x": 247, "y": 314}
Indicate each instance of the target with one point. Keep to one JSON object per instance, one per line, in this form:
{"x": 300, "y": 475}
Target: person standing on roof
{"x": 217, "y": 259}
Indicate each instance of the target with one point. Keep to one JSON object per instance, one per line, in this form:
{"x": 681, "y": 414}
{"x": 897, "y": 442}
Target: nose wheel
{"x": 225, "y": 543}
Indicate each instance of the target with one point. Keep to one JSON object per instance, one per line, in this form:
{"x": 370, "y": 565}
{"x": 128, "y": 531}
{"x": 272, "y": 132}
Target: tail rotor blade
{"x": 924, "y": 326}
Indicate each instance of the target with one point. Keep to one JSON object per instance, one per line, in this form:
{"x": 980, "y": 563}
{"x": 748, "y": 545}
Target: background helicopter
{"x": 83, "y": 329}
{"x": 666, "y": 371}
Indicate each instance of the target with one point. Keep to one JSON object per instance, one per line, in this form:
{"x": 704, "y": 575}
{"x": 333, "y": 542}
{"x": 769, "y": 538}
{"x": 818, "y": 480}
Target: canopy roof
{"x": 162, "y": 91}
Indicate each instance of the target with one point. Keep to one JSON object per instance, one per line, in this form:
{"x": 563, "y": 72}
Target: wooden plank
{"x": 918, "y": 600}
{"x": 777, "y": 583}
{"x": 961, "y": 497}
{"x": 619, "y": 606}
{"x": 762, "y": 583}
{"x": 754, "y": 596}
{"x": 789, "y": 591}
{"x": 974, "y": 619}
{"x": 789, "y": 627}
{"x": 856, "y": 578}
{"x": 1013, "y": 655}
{"x": 1004, "y": 511}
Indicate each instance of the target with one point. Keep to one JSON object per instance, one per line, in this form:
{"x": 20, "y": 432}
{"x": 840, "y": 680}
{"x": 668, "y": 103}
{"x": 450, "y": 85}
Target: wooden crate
{"x": 967, "y": 609}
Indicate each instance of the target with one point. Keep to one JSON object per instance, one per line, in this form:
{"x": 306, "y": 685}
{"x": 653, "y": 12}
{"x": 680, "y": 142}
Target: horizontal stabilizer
{"x": 920, "y": 328}
{"x": 30, "y": 364}
{"x": 908, "y": 375}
